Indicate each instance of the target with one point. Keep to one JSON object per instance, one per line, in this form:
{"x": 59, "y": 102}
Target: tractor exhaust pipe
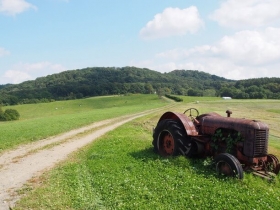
{"x": 228, "y": 113}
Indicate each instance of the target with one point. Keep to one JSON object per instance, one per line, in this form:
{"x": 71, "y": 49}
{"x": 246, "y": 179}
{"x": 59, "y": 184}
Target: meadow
{"x": 121, "y": 171}
{"x": 39, "y": 121}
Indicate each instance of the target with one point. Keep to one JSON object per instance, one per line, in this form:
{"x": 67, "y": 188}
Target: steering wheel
{"x": 189, "y": 112}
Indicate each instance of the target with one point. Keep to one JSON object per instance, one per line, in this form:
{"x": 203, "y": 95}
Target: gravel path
{"x": 19, "y": 166}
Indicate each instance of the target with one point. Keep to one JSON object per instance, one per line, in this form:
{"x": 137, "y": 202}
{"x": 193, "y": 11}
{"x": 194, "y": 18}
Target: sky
{"x": 235, "y": 39}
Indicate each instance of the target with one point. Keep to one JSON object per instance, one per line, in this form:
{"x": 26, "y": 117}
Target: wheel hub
{"x": 224, "y": 168}
{"x": 168, "y": 144}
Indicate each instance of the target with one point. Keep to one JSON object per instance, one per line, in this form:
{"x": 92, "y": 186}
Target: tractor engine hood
{"x": 254, "y": 133}
{"x": 209, "y": 124}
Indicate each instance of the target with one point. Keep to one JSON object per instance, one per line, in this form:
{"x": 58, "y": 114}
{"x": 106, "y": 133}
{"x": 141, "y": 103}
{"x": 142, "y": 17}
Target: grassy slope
{"x": 120, "y": 171}
{"x": 39, "y": 121}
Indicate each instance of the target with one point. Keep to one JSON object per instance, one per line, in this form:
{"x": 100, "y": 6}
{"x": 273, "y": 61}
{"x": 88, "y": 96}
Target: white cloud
{"x": 3, "y": 52}
{"x": 13, "y": 7}
{"x": 172, "y": 22}
{"x": 230, "y": 70}
{"x": 252, "y": 47}
{"x": 217, "y": 66}
{"x": 14, "y": 77}
{"x": 244, "y": 47}
{"x": 28, "y": 71}
{"x": 244, "y": 13}
{"x": 245, "y": 54}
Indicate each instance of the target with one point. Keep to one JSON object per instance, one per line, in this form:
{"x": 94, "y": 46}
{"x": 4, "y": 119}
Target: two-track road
{"x": 29, "y": 161}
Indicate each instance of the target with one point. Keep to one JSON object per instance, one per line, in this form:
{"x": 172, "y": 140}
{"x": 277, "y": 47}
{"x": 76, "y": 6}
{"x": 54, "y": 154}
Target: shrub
{"x": 9, "y": 114}
{"x": 175, "y": 98}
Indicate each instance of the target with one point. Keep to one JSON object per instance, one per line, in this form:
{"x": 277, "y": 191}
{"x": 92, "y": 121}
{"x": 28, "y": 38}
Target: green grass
{"x": 274, "y": 110}
{"x": 196, "y": 99}
{"x": 39, "y": 121}
{"x": 121, "y": 171}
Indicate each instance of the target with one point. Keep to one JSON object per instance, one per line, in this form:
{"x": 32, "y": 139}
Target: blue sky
{"x": 228, "y": 38}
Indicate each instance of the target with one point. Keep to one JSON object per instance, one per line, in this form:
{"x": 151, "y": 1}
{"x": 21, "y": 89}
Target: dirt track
{"x": 29, "y": 161}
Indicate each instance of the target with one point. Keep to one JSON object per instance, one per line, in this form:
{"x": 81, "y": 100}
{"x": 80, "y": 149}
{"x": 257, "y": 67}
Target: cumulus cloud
{"x": 14, "y": 7}
{"x": 216, "y": 66}
{"x": 244, "y": 47}
{"x": 28, "y": 71}
{"x": 14, "y": 77}
{"x": 252, "y": 47}
{"x": 172, "y": 22}
{"x": 245, "y": 54}
{"x": 246, "y": 13}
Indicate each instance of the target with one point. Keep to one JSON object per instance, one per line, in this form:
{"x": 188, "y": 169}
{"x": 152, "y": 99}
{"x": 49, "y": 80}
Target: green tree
{"x": 192, "y": 92}
{"x": 149, "y": 88}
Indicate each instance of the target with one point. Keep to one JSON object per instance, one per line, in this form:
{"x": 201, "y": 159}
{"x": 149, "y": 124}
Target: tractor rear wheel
{"x": 228, "y": 165}
{"x": 168, "y": 137}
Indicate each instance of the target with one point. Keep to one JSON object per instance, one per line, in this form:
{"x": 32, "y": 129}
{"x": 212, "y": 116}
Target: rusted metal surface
{"x": 188, "y": 124}
{"x": 209, "y": 124}
{"x": 265, "y": 175}
{"x": 250, "y": 151}
{"x": 273, "y": 160}
{"x": 255, "y": 132}
{"x": 168, "y": 143}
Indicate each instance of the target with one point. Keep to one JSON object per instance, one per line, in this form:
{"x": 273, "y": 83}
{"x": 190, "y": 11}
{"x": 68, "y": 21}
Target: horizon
{"x": 42, "y": 38}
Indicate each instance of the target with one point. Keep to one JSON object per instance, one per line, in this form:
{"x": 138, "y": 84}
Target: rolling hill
{"x": 97, "y": 81}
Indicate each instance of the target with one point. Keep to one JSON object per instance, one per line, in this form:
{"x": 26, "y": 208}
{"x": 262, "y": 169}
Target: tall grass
{"x": 39, "y": 121}
{"x": 121, "y": 171}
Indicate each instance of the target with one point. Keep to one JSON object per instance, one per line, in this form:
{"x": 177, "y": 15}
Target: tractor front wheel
{"x": 273, "y": 163}
{"x": 228, "y": 165}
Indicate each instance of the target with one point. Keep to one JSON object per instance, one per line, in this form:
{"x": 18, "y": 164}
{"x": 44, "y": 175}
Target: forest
{"x": 100, "y": 81}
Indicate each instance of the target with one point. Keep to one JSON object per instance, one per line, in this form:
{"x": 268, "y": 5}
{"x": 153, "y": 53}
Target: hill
{"x": 99, "y": 81}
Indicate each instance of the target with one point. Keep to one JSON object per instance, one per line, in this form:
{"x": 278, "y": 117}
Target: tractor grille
{"x": 260, "y": 142}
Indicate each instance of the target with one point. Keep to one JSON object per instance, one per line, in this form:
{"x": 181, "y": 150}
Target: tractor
{"x": 235, "y": 144}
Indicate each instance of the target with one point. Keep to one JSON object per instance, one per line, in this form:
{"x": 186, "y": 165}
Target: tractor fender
{"x": 185, "y": 120}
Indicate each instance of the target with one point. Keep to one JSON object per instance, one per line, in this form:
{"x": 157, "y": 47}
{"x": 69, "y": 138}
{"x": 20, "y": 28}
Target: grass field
{"x": 120, "y": 170}
{"x": 39, "y": 121}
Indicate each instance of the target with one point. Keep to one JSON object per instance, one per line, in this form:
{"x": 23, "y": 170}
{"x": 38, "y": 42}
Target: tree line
{"x": 261, "y": 88}
{"x": 99, "y": 81}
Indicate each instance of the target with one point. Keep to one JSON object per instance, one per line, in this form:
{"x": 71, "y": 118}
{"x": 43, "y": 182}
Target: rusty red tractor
{"x": 235, "y": 144}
